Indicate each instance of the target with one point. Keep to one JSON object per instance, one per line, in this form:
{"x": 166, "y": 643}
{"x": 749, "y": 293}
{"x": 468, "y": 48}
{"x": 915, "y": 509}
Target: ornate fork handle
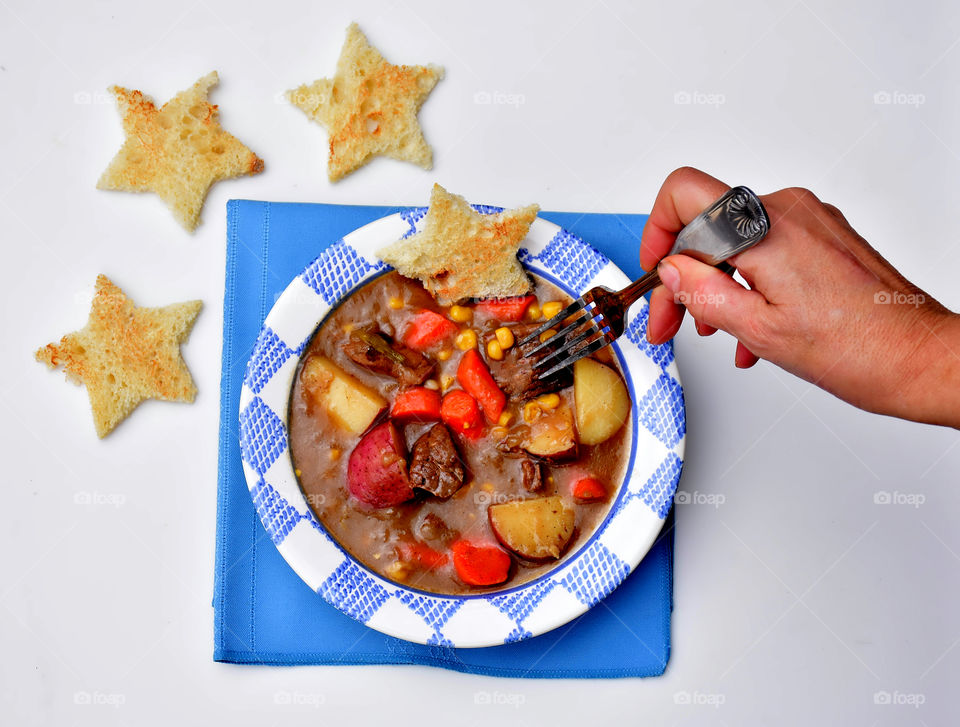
{"x": 729, "y": 226}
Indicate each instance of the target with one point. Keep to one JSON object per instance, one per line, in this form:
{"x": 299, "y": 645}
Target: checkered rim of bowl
{"x": 585, "y": 576}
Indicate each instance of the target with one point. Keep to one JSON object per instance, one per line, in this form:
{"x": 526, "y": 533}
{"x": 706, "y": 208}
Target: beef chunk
{"x": 374, "y": 350}
{"x": 435, "y": 465}
{"x": 515, "y": 374}
{"x": 433, "y": 527}
{"x": 532, "y": 474}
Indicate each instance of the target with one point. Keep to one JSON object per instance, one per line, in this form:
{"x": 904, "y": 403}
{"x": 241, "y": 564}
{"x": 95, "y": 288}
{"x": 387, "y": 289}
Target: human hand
{"x": 822, "y": 304}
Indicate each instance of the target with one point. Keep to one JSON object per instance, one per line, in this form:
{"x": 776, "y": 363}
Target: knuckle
{"x": 683, "y": 172}
{"x": 802, "y": 195}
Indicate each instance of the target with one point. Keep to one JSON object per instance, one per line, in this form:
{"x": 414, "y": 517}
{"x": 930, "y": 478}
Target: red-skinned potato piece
{"x": 377, "y": 470}
{"x": 552, "y": 437}
{"x": 480, "y": 565}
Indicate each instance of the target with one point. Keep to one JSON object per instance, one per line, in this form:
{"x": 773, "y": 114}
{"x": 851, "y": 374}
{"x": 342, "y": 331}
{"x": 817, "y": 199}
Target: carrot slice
{"x": 589, "y": 489}
{"x": 480, "y": 565}
{"x": 460, "y": 412}
{"x": 417, "y": 402}
{"x": 428, "y": 329}
{"x": 420, "y": 555}
{"x": 506, "y": 309}
{"x": 475, "y": 378}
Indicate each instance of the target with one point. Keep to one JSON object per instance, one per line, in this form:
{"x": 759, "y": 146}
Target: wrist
{"x": 933, "y": 394}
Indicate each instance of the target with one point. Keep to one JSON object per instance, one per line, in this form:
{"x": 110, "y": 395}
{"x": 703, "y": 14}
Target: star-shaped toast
{"x": 369, "y": 107}
{"x": 177, "y": 151}
{"x": 461, "y": 253}
{"x": 126, "y": 354}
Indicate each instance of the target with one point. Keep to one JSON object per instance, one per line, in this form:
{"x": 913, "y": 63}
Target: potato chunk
{"x": 377, "y": 469}
{"x": 552, "y": 437}
{"x": 351, "y": 404}
{"x": 602, "y": 401}
{"x": 536, "y": 529}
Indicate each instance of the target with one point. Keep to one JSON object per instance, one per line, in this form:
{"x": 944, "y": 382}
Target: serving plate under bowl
{"x": 586, "y": 575}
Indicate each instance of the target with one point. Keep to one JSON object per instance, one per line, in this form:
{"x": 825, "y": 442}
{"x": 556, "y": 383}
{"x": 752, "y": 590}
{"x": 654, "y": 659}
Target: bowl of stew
{"x": 415, "y": 473}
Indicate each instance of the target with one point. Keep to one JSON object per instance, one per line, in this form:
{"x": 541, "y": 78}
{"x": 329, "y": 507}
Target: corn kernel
{"x": 505, "y": 419}
{"x": 395, "y": 303}
{"x": 431, "y": 384}
{"x": 547, "y": 334}
{"x": 533, "y": 312}
{"x": 348, "y": 328}
{"x": 504, "y": 336}
{"x": 531, "y": 410}
{"x": 460, "y": 314}
{"x": 550, "y": 479}
{"x": 552, "y": 308}
{"x": 444, "y": 354}
{"x": 494, "y": 350}
{"x": 466, "y": 339}
{"x": 487, "y": 487}
{"x": 397, "y": 570}
{"x": 446, "y": 382}
{"x": 549, "y": 401}
{"x": 334, "y": 454}
{"x": 298, "y": 473}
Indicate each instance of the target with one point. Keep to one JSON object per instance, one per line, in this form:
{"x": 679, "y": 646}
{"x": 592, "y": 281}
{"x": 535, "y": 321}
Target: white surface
{"x": 798, "y": 599}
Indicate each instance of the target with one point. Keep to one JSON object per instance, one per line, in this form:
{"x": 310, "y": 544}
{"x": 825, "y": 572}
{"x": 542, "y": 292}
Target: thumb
{"x": 713, "y": 297}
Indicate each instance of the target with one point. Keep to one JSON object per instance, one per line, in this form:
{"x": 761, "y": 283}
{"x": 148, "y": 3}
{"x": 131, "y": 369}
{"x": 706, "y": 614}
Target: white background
{"x": 798, "y": 599}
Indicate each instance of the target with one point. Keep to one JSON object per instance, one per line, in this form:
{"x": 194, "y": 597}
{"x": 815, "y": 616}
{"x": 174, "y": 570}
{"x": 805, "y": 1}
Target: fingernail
{"x": 669, "y": 276}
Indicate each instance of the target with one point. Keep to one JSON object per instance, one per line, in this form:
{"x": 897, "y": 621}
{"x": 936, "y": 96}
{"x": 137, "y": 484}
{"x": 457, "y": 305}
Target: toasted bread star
{"x": 126, "y": 354}
{"x": 369, "y": 107}
{"x": 177, "y": 151}
{"x": 461, "y": 253}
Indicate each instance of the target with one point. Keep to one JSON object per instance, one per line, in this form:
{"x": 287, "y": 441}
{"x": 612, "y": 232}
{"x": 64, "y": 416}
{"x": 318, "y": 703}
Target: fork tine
{"x": 590, "y": 348}
{"x": 568, "y": 346}
{"x": 578, "y": 304}
{"x": 559, "y": 336}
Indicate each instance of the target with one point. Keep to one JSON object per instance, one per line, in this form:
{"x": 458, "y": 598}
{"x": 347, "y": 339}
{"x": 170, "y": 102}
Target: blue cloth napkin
{"x": 264, "y": 613}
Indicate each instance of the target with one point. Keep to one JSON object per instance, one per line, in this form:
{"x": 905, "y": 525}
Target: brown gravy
{"x": 320, "y": 452}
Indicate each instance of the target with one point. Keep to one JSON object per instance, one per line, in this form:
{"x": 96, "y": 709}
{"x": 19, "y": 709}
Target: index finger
{"x": 685, "y": 193}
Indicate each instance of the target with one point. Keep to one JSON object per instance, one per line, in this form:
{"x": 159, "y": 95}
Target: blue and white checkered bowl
{"x": 581, "y": 579}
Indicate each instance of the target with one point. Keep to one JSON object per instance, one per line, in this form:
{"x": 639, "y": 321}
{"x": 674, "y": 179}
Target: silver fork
{"x": 730, "y": 225}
